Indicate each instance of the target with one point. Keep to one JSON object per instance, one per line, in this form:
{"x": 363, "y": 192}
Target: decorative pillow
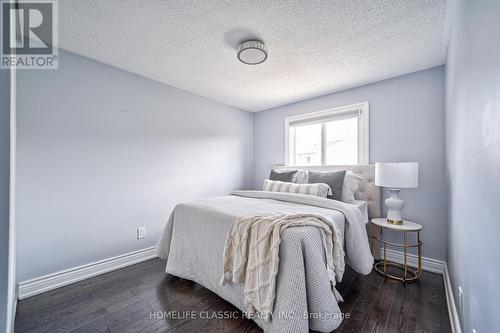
{"x": 301, "y": 177}
{"x": 319, "y": 189}
{"x": 335, "y": 179}
{"x": 288, "y": 176}
{"x": 351, "y": 186}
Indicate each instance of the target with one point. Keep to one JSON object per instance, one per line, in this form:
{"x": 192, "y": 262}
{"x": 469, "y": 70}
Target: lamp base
{"x": 395, "y": 222}
{"x": 394, "y": 207}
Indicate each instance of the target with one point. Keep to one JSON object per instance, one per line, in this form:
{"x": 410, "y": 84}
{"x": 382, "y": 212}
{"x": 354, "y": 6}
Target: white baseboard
{"x": 55, "y": 280}
{"x": 434, "y": 266}
{"x": 52, "y": 281}
{"x": 12, "y": 313}
{"x": 428, "y": 264}
{"x": 450, "y": 302}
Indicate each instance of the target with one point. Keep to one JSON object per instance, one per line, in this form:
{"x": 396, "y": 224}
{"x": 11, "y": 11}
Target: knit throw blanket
{"x": 251, "y": 255}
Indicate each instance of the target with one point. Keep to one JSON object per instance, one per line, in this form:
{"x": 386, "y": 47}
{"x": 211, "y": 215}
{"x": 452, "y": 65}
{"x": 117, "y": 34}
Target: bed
{"x": 194, "y": 237}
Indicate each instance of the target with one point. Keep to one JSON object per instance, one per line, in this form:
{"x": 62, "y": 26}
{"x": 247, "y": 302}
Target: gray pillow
{"x": 283, "y": 176}
{"x": 335, "y": 179}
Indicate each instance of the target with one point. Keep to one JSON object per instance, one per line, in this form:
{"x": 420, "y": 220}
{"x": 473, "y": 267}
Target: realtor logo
{"x": 29, "y": 33}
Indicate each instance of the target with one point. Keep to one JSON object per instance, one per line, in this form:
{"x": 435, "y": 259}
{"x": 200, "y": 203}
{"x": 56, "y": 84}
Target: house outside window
{"x": 336, "y": 136}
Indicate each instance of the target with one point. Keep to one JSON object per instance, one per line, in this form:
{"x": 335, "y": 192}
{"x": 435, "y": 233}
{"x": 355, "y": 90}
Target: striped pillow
{"x": 318, "y": 189}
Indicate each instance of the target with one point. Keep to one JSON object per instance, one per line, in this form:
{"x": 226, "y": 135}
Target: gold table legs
{"x": 408, "y": 274}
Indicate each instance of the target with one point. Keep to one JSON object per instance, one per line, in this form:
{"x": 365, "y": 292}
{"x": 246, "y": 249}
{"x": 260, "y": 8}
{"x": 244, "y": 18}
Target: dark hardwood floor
{"x": 134, "y": 299}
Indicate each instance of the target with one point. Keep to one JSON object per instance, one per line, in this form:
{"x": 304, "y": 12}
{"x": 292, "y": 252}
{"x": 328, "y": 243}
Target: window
{"x": 330, "y": 137}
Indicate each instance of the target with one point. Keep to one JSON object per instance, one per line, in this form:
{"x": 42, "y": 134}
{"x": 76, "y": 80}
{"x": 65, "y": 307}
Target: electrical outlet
{"x": 460, "y": 299}
{"x": 141, "y": 232}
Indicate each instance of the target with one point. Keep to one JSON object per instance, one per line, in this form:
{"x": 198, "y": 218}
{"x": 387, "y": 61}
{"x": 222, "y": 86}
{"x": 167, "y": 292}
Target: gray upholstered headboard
{"x": 367, "y": 190}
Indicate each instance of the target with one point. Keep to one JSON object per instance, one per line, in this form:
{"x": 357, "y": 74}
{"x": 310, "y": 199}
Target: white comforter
{"x": 194, "y": 239}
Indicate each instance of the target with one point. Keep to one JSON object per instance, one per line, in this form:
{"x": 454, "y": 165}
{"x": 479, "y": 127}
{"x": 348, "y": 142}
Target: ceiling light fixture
{"x": 252, "y": 52}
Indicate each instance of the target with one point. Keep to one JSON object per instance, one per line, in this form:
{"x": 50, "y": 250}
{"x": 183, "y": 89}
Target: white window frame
{"x": 331, "y": 114}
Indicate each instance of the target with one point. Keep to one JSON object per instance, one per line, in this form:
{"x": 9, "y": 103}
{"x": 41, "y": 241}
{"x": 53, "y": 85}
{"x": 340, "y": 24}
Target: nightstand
{"x": 408, "y": 274}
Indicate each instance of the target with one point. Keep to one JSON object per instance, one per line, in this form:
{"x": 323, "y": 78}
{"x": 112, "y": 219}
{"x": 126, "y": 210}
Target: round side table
{"x": 408, "y": 274}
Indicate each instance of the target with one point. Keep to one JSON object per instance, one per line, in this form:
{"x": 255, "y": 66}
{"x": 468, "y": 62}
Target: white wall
{"x": 406, "y": 124}
{"x": 102, "y": 151}
{"x": 4, "y": 194}
{"x": 473, "y": 161}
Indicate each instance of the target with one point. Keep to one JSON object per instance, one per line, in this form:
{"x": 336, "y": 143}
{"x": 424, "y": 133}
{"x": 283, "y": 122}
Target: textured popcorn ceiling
{"x": 315, "y": 47}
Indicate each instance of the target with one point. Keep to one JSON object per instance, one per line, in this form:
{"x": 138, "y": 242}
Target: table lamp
{"x": 395, "y": 176}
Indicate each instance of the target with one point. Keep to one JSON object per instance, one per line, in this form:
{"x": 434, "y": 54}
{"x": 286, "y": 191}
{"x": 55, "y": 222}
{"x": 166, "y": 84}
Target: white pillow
{"x": 351, "y": 186}
{"x": 301, "y": 176}
{"x": 318, "y": 189}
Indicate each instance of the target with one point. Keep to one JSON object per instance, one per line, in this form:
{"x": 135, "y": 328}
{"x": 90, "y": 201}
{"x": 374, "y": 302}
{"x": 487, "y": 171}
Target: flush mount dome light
{"x": 252, "y": 52}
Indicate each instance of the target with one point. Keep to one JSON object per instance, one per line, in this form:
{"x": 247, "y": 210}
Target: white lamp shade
{"x": 396, "y": 174}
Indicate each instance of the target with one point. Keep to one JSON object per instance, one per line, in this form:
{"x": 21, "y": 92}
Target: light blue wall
{"x": 406, "y": 124}
{"x": 473, "y": 161}
{"x": 102, "y": 151}
{"x": 4, "y": 191}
